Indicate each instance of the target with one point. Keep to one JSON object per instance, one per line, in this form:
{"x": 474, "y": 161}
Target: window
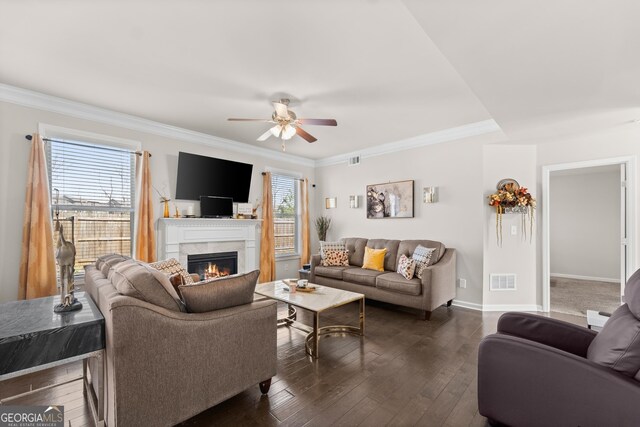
{"x": 284, "y": 190}
{"x": 92, "y": 191}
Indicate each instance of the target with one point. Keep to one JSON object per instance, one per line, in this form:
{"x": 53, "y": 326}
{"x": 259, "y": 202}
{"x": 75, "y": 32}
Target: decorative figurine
{"x": 66, "y": 259}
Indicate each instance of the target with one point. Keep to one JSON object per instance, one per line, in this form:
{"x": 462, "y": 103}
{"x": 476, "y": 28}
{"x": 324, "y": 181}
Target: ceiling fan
{"x": 287, "y": 124}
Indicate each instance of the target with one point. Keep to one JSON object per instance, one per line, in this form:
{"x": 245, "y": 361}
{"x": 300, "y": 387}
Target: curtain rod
{"x": 137, "y": 153}
{"x": 295, "y": 179}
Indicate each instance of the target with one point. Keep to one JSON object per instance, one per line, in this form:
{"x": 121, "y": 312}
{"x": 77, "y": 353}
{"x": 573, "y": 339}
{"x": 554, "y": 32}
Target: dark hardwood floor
{"x": 403, "y": 372}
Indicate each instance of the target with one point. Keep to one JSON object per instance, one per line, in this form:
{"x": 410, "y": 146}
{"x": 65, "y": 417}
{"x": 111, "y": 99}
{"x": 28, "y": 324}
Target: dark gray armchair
{"x": 537, "y": 371}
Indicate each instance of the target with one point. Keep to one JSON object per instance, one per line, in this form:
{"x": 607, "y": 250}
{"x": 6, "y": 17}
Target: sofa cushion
{"x": 360, "y": 276}
{"x": 355, "y": 246}
{"x": 618, "y": 344}
{"x": 138, "y": 280}
{"x": 335, "y": 258}
{"x": 330, "y": 246}
{"x": 331, "y": 272}
{"x": 396, "y": 283}
{"x": 172, "y": 266}
{"x": 406, "y": 267}
{"x": 391, "y": 257}
{"x": 632, "y": 294}
{"x": 424, "y": 258}
{"x": 106, "y": 262}
{"x": 216, "y": 294}
{"x": 374, "y": 259}
{"x": 407, "y": 247}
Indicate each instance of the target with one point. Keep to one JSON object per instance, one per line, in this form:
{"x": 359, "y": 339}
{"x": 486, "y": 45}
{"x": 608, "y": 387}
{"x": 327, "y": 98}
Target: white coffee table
{"x": 324, "y": 298}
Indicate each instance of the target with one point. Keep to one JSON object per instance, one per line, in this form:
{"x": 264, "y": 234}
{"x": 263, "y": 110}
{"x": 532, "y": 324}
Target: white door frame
{"x": 630, "y": 163}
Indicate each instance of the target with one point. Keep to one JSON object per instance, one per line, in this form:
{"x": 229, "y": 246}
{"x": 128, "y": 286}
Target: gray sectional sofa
{"x": 437, "y": 287}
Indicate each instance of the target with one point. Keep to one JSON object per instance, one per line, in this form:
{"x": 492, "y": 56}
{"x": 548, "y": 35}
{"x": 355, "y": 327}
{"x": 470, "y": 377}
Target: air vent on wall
{"x": 355, "y": 160}
{"x": 503, "y": 282}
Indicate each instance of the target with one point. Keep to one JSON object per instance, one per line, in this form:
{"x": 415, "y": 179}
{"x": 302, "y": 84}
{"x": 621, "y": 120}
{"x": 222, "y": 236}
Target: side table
{"x": 304, "y": 274}
{"x": 29, "y": 327}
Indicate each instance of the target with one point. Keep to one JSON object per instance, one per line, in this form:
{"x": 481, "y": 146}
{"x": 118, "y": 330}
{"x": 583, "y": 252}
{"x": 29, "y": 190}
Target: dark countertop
{"x": 31, "y": 334}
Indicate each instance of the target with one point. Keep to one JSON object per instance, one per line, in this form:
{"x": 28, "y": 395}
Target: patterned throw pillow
{"x": 422, "y": 256}
{"x": 172, "y": 266}
{"x": 331, "y": 246}
{"x": 336, "y": 258}
{"x": 406, "y": 267}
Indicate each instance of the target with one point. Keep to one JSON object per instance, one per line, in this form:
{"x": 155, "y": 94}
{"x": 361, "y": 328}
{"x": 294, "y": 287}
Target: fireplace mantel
{"x": 210, "y": 232}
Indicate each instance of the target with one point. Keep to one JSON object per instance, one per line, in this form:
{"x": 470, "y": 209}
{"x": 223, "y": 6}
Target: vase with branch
{"x": 165, "y": 200}
{"x": 323, "y": 223}
{"x": 511, "y": 198}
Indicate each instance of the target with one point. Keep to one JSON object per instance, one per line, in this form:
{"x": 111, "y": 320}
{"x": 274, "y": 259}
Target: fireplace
{"x": 209, "y": 266}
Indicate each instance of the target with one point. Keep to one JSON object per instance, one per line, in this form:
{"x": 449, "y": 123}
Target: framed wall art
{"x": 390, "y": 200}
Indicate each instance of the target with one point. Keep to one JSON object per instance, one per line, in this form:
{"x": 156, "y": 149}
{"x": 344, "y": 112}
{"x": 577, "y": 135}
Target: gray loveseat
{"x": 437, "y": 287}
{"x": 164, "y": 365}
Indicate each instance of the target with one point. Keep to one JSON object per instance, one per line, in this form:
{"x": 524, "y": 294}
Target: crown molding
{"x": 41, "y": 101}
{"x": 451, "y": 134}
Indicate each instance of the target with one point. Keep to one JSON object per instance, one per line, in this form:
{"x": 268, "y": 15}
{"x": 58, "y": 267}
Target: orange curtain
{"x": 267, "y": 242}
{"x": 306, "y": 249}
{"x": 145, "y": 249}
{"x": 37, "y": 264}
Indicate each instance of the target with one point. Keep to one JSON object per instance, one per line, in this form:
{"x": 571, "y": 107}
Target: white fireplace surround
{"x": 180, "y": 237}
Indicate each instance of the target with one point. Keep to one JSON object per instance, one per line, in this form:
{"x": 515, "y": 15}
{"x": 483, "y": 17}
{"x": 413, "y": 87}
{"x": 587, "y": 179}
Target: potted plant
{"x": 323, "y": 223}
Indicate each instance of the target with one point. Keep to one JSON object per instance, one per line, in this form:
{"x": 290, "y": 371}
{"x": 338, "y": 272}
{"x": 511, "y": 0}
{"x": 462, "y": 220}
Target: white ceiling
{"x": 385, "y": 70}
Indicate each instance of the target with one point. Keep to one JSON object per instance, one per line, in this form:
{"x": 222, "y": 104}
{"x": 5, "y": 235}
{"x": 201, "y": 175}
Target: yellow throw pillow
{"x": 374, "y": 258}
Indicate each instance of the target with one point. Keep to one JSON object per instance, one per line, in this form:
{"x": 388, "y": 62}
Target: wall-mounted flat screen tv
{"x": 208, "y": 176}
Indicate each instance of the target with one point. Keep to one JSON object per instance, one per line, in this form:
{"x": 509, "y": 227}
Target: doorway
{"x": 587, "y": 234}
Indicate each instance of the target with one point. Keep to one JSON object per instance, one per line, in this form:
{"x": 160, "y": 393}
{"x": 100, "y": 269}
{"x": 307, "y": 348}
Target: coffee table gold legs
{"x": 312, "y": 341}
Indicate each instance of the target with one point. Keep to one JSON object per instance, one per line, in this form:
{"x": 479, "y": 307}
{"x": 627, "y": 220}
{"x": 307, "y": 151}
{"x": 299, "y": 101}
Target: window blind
{"x": 91, "y": 178}
{"x": 285, "y": 214}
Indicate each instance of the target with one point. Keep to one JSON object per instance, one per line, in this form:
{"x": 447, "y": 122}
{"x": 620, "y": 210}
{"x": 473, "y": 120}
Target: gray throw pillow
{"x": 423, "y": 258}
{"x": 138, "y": 280}
{"x": 220, "y": 293}
{"x": 618, "y": 344}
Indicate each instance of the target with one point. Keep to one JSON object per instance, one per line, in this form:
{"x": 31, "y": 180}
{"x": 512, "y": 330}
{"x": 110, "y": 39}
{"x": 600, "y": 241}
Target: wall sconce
{"x": 430, "y": 194}
{"x": 330, "y": 202}
{"x": 354, "y": 202}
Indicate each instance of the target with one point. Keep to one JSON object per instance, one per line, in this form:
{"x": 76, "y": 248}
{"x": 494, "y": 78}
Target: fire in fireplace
{"x": 209, "y": 266}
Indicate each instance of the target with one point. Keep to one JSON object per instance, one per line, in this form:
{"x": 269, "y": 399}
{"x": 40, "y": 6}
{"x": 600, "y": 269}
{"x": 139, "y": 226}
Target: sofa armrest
{"x": 552, "y": 332}
{"x": 439, "y": 284}
{"x": 524, "y": 383}
{"x": 315, "y": 261}
{"x": 185, "y": 362}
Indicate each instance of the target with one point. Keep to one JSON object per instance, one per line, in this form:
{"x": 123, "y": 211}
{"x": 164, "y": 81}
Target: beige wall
{"x": 516, "y": 255}
{"x": 17, "y": 121}
{"x": 456, "y": 220}
{"x": 585, "y": 241}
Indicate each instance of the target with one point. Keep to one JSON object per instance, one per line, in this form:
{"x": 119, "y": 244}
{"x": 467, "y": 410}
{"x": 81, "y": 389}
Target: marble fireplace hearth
{"x": 180, "y": 237}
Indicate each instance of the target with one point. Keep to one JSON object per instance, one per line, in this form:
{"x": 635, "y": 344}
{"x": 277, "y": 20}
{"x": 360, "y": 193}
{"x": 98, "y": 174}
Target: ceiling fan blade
{"x": 265, "y": 136}
{"x": 322, "y": 122}
{"x": 250, "y": 120}
{"x": 305, "y": 135}
{"x": 281, "y": 110}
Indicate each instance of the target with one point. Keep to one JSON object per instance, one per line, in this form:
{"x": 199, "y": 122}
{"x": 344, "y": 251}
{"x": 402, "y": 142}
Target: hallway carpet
{"x": 572, "y": 296}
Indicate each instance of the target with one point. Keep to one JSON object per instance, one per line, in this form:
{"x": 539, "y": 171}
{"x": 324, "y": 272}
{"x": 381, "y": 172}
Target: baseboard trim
{"x": 466, "y": 304}
{"x": 511, "y": 307}
{"x": 577, "y": 277}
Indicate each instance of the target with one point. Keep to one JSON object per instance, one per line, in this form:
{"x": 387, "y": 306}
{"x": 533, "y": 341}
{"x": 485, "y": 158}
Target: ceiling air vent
{"x": 353, "y": 161}
{"x": 503, "y": 282}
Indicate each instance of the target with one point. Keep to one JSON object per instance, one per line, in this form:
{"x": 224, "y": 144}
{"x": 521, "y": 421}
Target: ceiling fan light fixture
{"x": 288, "y": 132}
{"x": 276, "y": 130}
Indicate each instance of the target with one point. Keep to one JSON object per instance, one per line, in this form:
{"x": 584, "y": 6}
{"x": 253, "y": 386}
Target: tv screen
{"x": 216, "y": 207}
{"x": 208, "y": 176}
